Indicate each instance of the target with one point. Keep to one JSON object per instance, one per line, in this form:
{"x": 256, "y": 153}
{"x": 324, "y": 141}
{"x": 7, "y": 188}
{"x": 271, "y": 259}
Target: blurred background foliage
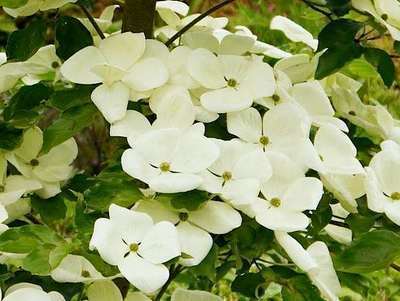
{"x": 383, "y": 285}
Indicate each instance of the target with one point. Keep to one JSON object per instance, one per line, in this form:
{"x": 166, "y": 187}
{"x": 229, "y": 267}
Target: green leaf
{"x": 67, "y": 125}
{"x": 207, "y": 267}
{"x": 115, "y": 188}
{"x": 248, "y": 284}
{"x": 373, "y": 251}
{"x": 339, "y": 7}
{"x": 360, "y": 224}
{"x": 322, "y": 215}
{"x": 396, "y": 46}
{"x": 10, "y": 137}
{"x": 191, "y": 200}
{"x": 341, "y": 49}
{"x": 300, "y": 288}
{"x": 71, "y": 36}
{"x": 37, "y": 262}
{"x": 26, "y": 99}
{"x": 24, "y": 43}
{"x": 383, "y": 63}
{"x": 13, "y": 3}
{"x": 66, "y": 99}
{"x": 51, "y": 210}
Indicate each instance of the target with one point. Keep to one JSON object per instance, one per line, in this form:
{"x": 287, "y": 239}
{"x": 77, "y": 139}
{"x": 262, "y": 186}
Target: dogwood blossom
{"x": 194, "y": 226}
{"x": 28, "y": 291}
{"x": 122, "y": 73}
{"x": 131, "y": 241}
{"x": 48, "y": 169}
{"x": 315, "y": 261}
{"x": 193, "y": 295}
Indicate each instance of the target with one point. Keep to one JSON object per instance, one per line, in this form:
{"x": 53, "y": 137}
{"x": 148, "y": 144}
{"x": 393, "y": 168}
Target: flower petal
{"x": 157, "y": 211}
{"x": 253, "y": 165}
{"x": 175, "y": 182}
{"x": 282, "y": 220}
{"x": 136, "y": 166}
{"x": 226, "y": 100}
{"x": 246, "y": 124}
{"x": 304, "y": 194}
{"x": 132, "y": 125}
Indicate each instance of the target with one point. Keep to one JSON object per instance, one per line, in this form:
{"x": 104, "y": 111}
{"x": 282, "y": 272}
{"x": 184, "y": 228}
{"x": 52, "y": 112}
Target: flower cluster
{"x": 283, "y": 148}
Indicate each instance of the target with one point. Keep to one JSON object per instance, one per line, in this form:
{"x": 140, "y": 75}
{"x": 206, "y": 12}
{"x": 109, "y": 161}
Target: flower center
{"x": 275, "y": 202}
{"x": 276, "y": 98}
{"x": 352, "y": 113}
{"x": 85, "y": 274}
{"x": 183, "y": 216}
{"x": 395, "y": 196}
{"x": 232, "y": 82}
{"x": 227, "y": 175}
{"x": 134, "y": 248}
{"x": 2, "y": 188}
{"x": 385, "y": 17}
{"x": 165, "y": 167}
{"x": 34, "y": 162}
{"x": 55, "y": 65}
{"x": 264, "y": 140}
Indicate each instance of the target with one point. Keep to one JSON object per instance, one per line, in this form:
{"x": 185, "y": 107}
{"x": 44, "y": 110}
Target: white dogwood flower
{"x": 194, "y": 226}
{"x": 49, "y": 169}
{"x": 293, "y": 31}
{"x": 315, "y": 261}
{"x": 33, "y": 6}
{"x": 131, "y": 241}
{"x": 238, "y": 173}
{"x": 287, "y": 194}
{"x": 181, "y": 294}
{"x": 31, "y": 292}
{"x": 299, "y": 67}
{"x": 285, "y": 128}
{"x": 170, "y": 159}
{"x": 234, "y": 81}
{"x": 383, "y": 182}
{"x": 117, "y": 64}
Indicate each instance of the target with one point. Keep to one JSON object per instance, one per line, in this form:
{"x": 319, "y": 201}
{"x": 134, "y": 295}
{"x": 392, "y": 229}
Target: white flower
{"x": 181, "y": 294}
{"x": 193, "y": 226}
{"x": 76, "y": 269}
{"x": 337, "y": 151}
{"x": 32, "y": 292}
{"x": 383, "y": 181}
{"x": 340, "y": 234}
{"x": 169, "y": 160}
{"x": 294, "y": 31}
{"x": 116, "y": 63}
{"x": 49, "y": 169}
{"x": 287, "y": 194}
{"x": 33, "y": 6}
{"x": 237, "y": 175}
{"x": 170, "y": 11}
{"x": 315, "y": 261}
{"x": 386, "y": 12}
{"x": 235, "y": 81}
{"x": 285, "y": 128}
{"x": 137, "y": 246}
{"x": 104, "y": 290}
{"x": 299, "y": 67}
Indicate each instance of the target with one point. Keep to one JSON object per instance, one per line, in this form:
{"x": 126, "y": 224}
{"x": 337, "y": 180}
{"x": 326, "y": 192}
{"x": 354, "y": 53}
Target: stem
{"x": 318, "y": 9}
{"x": 139, "y": 16}
{"x": 395, "y": 266}
{"x": 92, "y": 21}
{"x": 197, "y": 20}
{"x": 173, "y": 272}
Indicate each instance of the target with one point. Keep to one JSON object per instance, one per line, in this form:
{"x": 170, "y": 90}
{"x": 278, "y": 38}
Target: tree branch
{"x": 197, "y": 20}
{"x": 318, "y": 9}
{"x": 139, "y": 16}
{"x": 92, "y": 21}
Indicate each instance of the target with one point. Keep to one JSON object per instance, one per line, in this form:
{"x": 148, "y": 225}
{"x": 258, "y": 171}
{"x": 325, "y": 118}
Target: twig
{"x": 92, "y": 21}
{"x": 340, "y": 224}
{"x": 197, "y": 20}
{"x": 173, "y": 272}
{"x": 395, "y": 266}
{"x": 318, "y": 9}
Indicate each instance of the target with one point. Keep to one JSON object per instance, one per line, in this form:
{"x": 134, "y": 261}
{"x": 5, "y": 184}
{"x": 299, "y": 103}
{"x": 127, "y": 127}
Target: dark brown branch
{"x": 139, "y": 16}
{"x": 92, "y": 21}
{"x": 197, "y": 20}
{"x": 395, "y": 266}
{"x": 318, "y": 9}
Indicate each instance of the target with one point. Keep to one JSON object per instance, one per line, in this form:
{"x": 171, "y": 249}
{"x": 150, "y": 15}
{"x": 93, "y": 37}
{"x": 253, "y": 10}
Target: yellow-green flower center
{"x": 55, "y": 65}
{"x": 134, "y": 248}
{"x": 385, "y": 16}
{"x": 165, "y": 167}
{"x": 183, "y": 216}
{"x": 264, "y": 140}
{"x": 232, "y": 82}
{"x": 34, "y": 162}
{"x": 2, "y": 188}
{"x": 85, "y": 274}
{"x": 275, "y": 202}
{"x": 395, "y": 196}
{"x": 227, "y": 175}
{"x": 276, "y": 98}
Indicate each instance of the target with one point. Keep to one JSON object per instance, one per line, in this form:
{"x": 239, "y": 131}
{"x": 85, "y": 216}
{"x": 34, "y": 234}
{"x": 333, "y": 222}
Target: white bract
{"x": 192, "y": 295}
{"x": 33, "y": 6}
{"x": 48, "y": 169}
{"x": 31, "y": 292}
{"x": 383, "y": 182}
{"x": 194, "y": 226}
{"x": 131, "y": 241}
{"x": 315, "y": 261}
{"x": 169, "y": 160}
{"x": 121, "y": 65}
{"x": 234, "y": 81}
